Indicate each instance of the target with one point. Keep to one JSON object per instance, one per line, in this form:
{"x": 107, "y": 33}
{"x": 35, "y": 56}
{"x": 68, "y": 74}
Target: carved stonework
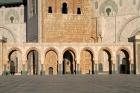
{"x": 109, "y": 7}
{"x": 12, "y": 16}
{"x": 69, "y": 27}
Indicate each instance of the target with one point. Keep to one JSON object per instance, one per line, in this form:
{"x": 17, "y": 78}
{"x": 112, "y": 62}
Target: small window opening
{"x": 108, "y": 11}
{"x": 49, "y": 9}
{"x": 78, "y": 11}
{"x": 12, "y": 19}
{"x": 64, "y": 8}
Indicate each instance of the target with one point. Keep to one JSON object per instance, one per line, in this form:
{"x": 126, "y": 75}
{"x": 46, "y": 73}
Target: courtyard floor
{"x": 70, "y": 84}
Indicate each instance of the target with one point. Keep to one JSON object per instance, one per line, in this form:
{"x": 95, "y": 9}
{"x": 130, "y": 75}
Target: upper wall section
{"x": 69, "y": 6}
{"x": 32, "y": 20}
{"x": 12, "y": 23}
{"x": 68, "y": 21}
{"x": 12, "y": 15}
{"x": 116, "y": 7}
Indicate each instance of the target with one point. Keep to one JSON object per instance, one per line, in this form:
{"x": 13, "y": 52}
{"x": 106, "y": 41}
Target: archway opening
{"x": 33, "y": 64}
{"x": 51, "y": 63}
{"x": 105, "y": 63}
{"x": 123, "y": 62}
{"x": 15, "y": 62}
{"x": 69, "y": 65}
{"x": 86, "y": 62}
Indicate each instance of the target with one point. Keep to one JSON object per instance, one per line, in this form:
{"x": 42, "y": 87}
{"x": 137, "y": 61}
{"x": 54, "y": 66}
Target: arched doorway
{"x": 123, "y": 61}
{"x": 86, "y": 62}
{"x": 15, "y": 62}
{"x": 105, "y": 63}
{"x": 69, "y": 65}
{"x": 51, "y": 63}
{"x": 33, "y": 64}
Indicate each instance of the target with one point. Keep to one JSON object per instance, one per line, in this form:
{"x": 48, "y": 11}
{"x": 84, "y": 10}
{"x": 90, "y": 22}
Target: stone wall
{"x": 120, "y": 13}
{"x": 12, "y": 24}
{"x": 32, "y": 21}
{"x": 69, "y": 27}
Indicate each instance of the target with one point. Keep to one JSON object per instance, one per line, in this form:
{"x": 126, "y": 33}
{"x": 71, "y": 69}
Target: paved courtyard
{"x": 70, "y": 84}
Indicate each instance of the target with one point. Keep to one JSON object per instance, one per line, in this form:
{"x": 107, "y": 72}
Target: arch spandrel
{"x": 130, "y": 29}
{"x": 51, "y": 49}
{"x": 7, "y": 33}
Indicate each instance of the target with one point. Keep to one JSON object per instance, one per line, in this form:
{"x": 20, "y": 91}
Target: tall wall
{"x": 32, "y": 20}
{"x": 114, "y": 22}
{"x": 62, "y": 23}
{"x": 12, "y": 23}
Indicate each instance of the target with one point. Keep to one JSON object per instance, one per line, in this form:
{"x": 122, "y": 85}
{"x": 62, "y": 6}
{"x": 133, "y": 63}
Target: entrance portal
{"x": 86, "y": 62}
{"x": 123, "y": 62}
{"x": 15, "y": 62}
{"x": 51, "y": 62}
{"x": 105, "y": 63}
{"x": 32, "y": 58}
{"x": 68, "y": 62}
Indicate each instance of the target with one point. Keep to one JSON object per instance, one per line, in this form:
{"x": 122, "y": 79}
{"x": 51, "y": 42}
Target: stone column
{"x": 137, "y": 56}
{"x": 2, "y": 41}
{"x": 42, "y": 72}
{"x": 8, "y": 66}
{"x": 95, "y": 66}
{"x": 77, "y": 64}
{"x": 24, "y": 67}
{"x": 60, "y": 68}
{"x": 96, "y": 61}
{"x": 114, "y": 70}
{"x": 116, "y": 64}
{"x": 60, "y": 63}
{"x": 39, "y": 67}
{"x": 24, "y": 63}
{"x": 77, "y": 68}
{"x": 42, "y": 63}
{"x": 92, "y": 67}
{"x": 1, "y": 57}
{"x": 131, "y": 67}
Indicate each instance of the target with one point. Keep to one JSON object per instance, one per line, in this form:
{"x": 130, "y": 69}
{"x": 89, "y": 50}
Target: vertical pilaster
{"x": 131, "y": 67}
{"x": 78, "y": 69}
{"x": 24, "y": 63}
{"x": 1, "y": 57}
{"x": 96, "y": 67}
{"x": 60, "y": 68}
{"x": 60, "y": 64}
{"x": 42, "y": 63}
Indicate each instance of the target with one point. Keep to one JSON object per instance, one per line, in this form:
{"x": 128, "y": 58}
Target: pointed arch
{"x": 86, "y": 61}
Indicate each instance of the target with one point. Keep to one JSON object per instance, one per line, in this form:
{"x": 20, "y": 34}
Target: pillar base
{"x": 60, "y": 73}
{"x": 42, "y": 73}
{"x": 6, "y": 73}
{"x": 78, "y": 73}
{"x": 24, "y": 72}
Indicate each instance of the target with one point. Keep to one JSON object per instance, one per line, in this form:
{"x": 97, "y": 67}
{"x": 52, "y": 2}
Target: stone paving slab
{"x": 70, "y": 84}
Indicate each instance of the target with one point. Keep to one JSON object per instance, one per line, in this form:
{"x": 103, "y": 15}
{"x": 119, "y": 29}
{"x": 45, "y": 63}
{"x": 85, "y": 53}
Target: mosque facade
{"x": 56, "y": 37}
